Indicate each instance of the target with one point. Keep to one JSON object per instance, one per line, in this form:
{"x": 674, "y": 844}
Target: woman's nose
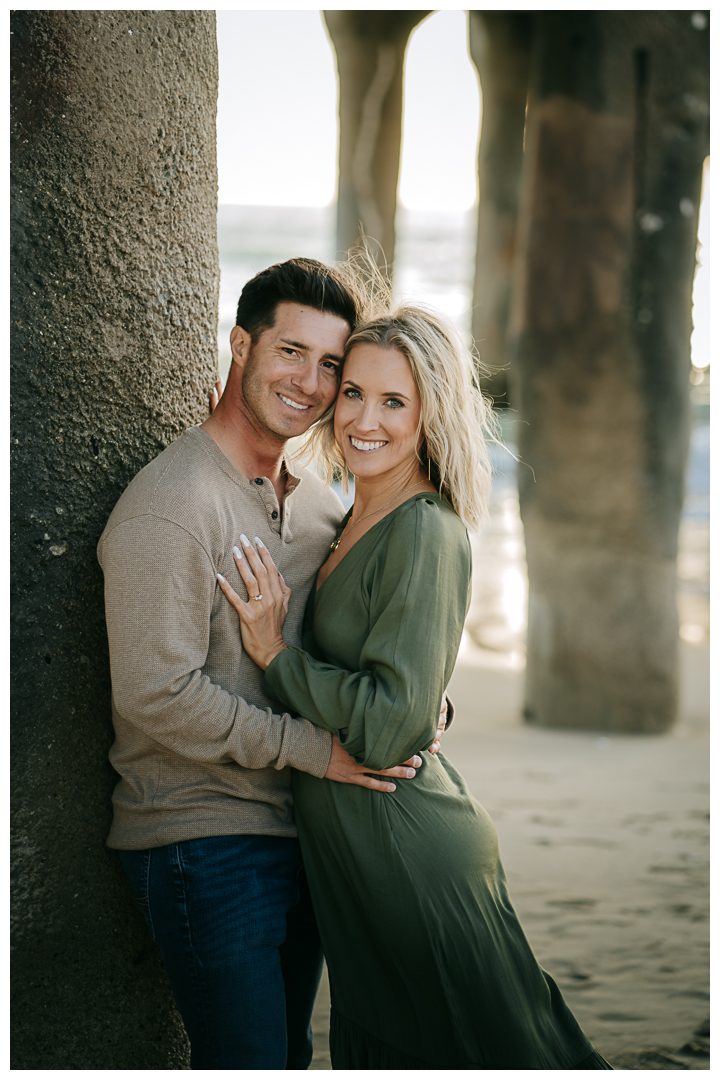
{"x": 367, "y": 420}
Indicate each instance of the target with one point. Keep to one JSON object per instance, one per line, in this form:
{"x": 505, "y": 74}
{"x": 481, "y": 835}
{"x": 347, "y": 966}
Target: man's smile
{"x": 293, "y": 404}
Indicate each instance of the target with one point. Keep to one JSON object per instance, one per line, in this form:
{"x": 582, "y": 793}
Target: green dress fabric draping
{"x": 429, "y": 967}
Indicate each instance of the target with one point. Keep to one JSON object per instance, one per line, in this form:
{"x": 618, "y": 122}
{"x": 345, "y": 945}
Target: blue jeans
{"x": 234, "y": 923}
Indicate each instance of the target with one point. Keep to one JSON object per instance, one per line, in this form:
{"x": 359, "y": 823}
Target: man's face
{"x": 290, "y": 375}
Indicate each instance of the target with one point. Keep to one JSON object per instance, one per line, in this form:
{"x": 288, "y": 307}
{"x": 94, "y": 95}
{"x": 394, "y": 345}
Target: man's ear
{"x": 240, "y": 344}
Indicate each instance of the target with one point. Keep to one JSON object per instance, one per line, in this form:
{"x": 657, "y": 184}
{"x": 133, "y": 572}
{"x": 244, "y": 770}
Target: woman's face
{"x": 377, "y": 412}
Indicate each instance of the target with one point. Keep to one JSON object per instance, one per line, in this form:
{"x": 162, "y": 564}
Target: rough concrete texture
{"x": 114, "y": 311}
{"x": 617, "y": 131}
{"x": 370, "y": 49}
{"x": 500, "y": 47}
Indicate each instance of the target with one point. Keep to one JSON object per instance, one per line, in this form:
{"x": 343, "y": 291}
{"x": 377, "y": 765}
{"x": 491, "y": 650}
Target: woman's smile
{"x": 366, "y": 447}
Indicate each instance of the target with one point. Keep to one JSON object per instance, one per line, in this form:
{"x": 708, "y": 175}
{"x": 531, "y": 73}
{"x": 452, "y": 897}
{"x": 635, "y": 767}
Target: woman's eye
{"x": 394, "y": 403}
{"x": 350, "y": 392}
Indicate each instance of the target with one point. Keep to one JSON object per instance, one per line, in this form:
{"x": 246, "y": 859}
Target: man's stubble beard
{"x": 256, "y": 394}
{"x": 252, "y": 389}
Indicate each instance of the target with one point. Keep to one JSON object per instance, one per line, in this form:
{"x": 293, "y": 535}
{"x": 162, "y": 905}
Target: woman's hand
{"x": 262, "y": 616}
{"x": 215, "y": 396}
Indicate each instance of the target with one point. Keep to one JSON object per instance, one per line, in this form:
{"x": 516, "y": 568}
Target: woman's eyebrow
{"x": 387, "y": 393}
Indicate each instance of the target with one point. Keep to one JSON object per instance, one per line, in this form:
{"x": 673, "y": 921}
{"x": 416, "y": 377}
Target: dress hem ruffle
{"x": 353, "y": 1048}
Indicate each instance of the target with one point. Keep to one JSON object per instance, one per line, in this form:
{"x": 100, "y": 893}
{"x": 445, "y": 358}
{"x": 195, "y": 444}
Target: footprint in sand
{"x": 577, "y": 904}
{"x": 620, "y": 1017}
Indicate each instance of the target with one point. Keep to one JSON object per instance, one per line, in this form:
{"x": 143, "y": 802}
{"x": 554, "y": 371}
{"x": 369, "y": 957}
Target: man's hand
{"x": 346, "y": 771}
{"x": 442, "y": 722}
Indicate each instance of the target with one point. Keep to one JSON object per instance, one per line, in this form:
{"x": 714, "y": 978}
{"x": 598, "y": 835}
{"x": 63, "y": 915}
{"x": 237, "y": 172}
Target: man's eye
{"x": 291, "y": 352}
{"x": 329, "y": 366}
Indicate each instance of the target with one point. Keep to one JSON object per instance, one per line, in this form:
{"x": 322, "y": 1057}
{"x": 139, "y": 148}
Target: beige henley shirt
{"x": 199, "y": 748}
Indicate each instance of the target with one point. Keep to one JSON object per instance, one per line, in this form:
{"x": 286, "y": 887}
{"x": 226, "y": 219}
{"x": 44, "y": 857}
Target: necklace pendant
{"x": 335, "y": 545}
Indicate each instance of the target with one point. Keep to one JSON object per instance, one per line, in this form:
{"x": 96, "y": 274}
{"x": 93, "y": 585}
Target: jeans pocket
{"x": 136, "y": 865}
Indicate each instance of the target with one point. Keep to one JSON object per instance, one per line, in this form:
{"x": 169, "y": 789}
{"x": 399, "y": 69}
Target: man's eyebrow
{"x": 388, "y": 393}
{"x": 306, "y": 348}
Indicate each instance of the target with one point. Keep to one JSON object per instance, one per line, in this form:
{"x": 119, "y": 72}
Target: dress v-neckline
{"x": 421, "y": 494}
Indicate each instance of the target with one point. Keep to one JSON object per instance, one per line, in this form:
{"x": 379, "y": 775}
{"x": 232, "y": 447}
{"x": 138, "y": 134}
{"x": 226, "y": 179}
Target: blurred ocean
{"x": 433, "y": 260}
{"x": 434, "y": 263}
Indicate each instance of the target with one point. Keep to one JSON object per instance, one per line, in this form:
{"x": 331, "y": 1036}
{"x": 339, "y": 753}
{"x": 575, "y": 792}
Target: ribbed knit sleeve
{"x": 160, "y": 588}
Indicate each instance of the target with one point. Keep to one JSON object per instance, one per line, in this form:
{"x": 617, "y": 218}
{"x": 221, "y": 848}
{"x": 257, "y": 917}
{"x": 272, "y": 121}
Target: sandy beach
{"x": 605, "y": 845}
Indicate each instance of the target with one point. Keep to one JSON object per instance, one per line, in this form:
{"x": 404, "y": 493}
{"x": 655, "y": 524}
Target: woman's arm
{"x": 387, "y": 709}
{"x": 262, "y": 618}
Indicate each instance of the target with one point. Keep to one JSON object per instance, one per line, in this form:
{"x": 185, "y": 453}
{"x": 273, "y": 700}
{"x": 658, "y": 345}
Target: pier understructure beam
{"x": 617, "y": 131}
{"x": 500, "y": 47}
{"x": 370, "y": 49}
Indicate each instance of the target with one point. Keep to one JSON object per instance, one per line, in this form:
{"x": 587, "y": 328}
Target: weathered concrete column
{"x": 500, "y": 46}
{"x": 114, "y": 315}
{"x": 370, "y": 49}
{"x": 616, "y": 135}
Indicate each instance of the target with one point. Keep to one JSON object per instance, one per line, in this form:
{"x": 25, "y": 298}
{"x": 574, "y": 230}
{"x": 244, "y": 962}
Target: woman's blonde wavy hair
{"x": 456, "y": 421}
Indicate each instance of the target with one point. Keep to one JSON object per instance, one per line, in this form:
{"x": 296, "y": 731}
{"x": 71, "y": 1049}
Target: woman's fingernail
{"x": 244, "y": 540}
{"x": 410, "y": 772}
{"x": 259, "y": 542}
{"x": 237, "y": 552}
{"x": 220, "y": 577}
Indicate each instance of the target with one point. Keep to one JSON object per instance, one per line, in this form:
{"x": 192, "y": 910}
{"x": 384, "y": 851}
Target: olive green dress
{"x": 428, "y": 965}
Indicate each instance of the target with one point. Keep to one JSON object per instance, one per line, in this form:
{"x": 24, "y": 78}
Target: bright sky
{"x": 277, "y": 112}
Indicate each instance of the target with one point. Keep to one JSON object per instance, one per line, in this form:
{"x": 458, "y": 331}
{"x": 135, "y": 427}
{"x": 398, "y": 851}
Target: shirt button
{"x": 258, "y": 479}
{"x": 274, "y": 515}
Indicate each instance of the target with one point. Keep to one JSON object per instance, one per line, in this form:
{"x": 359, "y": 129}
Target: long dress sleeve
{"x": 416, "y": 585}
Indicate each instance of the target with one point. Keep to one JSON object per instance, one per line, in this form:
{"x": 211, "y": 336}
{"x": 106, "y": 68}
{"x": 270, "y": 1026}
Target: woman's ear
{"x": 422, "y": 451}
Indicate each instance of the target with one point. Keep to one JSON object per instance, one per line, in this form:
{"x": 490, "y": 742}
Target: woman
{"x": 428, "y": 965}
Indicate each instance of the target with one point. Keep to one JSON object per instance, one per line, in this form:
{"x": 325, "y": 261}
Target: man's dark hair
{"x": 297, "y": 281}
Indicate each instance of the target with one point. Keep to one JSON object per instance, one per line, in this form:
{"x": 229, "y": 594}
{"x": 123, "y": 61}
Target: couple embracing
{"x": 278, "y": 672}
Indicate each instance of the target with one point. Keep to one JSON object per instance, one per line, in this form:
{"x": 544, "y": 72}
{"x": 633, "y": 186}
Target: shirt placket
{"x": 269, "y": 499}
{"x": 278, "y": 520}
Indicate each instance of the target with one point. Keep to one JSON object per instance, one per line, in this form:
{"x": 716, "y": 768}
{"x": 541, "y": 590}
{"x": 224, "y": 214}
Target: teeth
{"x": 366, "y": 445}
{"x": 292, "y": 404}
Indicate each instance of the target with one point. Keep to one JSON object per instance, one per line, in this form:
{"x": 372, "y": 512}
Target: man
{"x": 202, "y": 812}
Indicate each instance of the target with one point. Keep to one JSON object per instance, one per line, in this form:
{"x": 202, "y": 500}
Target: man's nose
{"x": 305, "y": 378}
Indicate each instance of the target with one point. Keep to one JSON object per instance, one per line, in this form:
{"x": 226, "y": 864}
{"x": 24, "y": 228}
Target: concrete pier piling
{"x": 114, "y": 315}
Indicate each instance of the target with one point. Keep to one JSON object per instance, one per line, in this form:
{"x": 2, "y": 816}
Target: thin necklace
{"x": 336, "y": 543}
